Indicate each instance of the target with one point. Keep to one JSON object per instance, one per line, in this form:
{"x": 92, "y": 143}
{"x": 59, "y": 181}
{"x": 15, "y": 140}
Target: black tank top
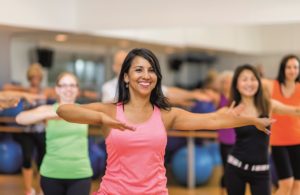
{"x": 251, "y": 145}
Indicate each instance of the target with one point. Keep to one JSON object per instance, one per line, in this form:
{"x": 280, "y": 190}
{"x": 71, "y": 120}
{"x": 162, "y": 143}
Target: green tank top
{"x": 66, "y": 150}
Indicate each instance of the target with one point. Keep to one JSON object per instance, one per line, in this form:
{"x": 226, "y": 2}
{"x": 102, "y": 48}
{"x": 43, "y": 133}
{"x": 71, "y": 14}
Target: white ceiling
{"x": 235, "y": 25}
{"x": 115, "y": 14}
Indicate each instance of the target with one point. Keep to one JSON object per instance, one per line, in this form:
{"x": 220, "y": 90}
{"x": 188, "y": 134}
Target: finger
{"x": 131, "y": 128}
{"x": 267, "y": 131}
{"x": 232, "y": 105}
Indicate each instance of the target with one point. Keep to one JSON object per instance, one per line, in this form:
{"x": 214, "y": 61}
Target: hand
{"x": 8, "y": 103}
{"x": 200, "y": 96}
{"x": 262, "y": 123}
{"x": 113, "y": 123}
{"x": 31, "y": 98}
{"x": 236, "y": 111}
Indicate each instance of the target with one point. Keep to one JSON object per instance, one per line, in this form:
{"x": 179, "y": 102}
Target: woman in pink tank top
{"x": 138, "y": 125}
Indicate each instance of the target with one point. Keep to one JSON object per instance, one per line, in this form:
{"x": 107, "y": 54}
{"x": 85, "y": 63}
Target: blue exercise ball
{"x": 203, "y": 165}
{"x": 97, "y": 159}
{"x": 203, "y": 107}
{"x": 10, "y": 156}
{"x": 214, "y": 150}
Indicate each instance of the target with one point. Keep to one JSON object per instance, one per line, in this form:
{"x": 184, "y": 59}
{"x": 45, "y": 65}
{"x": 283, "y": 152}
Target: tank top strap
{"x": 120, "y": 111}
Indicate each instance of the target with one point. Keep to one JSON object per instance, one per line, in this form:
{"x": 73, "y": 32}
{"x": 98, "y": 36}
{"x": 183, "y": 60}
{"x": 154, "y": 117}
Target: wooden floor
{"x": 12, "y": 185}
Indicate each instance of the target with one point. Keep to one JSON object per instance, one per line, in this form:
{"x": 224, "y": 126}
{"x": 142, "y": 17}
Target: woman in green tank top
{"x": 66, "y": 168}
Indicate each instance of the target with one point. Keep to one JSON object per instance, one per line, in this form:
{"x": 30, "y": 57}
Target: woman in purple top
{"x": 219, "y": 96}
{"x": 226, "y": 137}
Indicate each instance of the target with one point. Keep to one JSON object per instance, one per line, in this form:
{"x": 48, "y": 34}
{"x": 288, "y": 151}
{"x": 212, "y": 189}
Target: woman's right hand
{"x": 263, "y": 123}
{"x": 116, "y": 124}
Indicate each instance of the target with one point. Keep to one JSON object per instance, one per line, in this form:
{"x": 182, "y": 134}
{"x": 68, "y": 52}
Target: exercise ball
{"x": 203, "y": 107}
{"x": 203, "y": 165}
{"x": 10, "y": 156}
{"x": 97, "y": 159}
{"x": 214, "y": 150}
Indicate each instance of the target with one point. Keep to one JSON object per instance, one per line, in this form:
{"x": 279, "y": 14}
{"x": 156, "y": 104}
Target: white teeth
{"x": 145, "y": 84}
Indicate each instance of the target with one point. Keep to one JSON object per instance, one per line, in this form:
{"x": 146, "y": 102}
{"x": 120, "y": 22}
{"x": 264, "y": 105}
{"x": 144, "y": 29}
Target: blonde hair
{"x": 223, "y": 75}
{"x": 35, "y": 70}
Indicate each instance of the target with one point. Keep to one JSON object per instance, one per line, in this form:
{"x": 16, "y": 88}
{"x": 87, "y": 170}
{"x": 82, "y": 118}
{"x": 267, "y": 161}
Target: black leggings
{"x": 225, "y": 151}
{"x": 53, "y": 186}
{"x": 287, "y": 161}
{"x": 237, "y": 178}
{"x": 28, "y": 142}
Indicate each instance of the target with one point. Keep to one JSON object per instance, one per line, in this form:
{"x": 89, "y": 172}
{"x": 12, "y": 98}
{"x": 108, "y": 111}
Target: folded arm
{"x": 36, "y": 115}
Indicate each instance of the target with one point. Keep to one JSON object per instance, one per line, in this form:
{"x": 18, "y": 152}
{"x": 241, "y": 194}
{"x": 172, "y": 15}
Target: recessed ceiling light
{"x": 61, "y": 37}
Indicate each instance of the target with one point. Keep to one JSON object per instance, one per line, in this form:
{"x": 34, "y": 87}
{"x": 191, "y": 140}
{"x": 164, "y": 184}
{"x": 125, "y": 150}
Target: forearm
{"x": 211, "y": 121}
{"x": 224, "y": 120}
{"x": 76, "y": 114}
{"x": 28, "y": 118}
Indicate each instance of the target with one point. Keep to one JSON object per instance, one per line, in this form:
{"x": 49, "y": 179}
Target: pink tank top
{"x": 135, "y": 163}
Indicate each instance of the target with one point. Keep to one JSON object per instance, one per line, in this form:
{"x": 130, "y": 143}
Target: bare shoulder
{"x": 168, "y": 116}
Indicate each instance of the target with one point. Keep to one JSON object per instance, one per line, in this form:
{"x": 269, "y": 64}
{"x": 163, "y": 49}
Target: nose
{"x": 146, "y": 75}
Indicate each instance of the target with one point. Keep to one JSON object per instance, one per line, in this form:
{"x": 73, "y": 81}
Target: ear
{"x": 126, "y": 78}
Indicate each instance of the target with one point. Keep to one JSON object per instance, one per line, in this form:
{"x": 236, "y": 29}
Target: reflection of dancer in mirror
{"x": 140, "y": 118}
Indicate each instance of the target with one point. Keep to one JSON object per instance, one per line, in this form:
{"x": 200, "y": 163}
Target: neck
{"x": 248, "y": 101}
{"x": 61, "y": 102}
{"x": 289, "y": 84}
{"x": 138, "y": 102}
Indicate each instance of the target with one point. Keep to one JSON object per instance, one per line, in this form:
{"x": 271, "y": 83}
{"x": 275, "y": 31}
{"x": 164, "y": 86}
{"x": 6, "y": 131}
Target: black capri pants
{"x": 236, "y": 179}
{"x": 53, "y": 186}
{"x": 287, "y": 161}
{"x": 28, "y": 142}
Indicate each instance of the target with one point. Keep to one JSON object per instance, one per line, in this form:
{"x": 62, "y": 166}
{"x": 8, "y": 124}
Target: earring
{"x": 126, "y": 85}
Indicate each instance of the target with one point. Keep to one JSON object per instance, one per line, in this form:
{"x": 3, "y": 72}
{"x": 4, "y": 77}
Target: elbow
{"x": 60, "y": 110}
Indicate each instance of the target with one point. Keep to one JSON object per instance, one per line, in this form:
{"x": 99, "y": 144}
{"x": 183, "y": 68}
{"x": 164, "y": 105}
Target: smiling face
{"x": 247, "y": 83}
{"x": 67, "y": 88}
{"x": 291, "y": 70}
{"x": 141, "y": 77}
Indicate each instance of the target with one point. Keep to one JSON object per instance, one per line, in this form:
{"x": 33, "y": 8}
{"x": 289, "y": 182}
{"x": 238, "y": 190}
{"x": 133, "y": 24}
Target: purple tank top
{"x": 225, "y": 136}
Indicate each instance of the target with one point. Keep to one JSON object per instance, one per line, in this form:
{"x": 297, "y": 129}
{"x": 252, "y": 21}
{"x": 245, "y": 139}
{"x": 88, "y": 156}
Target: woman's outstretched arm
{"x": 94, "y": 113}
{"x": 184, "y": 120}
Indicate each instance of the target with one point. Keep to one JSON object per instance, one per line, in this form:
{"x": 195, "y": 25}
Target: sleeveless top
{"x": 225, "y": 136}
{"x": 251, "y": 145}
{"x": 66, "y": 150}
{"x": 286, "y": 129}
{"x": 135, "y": 163}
